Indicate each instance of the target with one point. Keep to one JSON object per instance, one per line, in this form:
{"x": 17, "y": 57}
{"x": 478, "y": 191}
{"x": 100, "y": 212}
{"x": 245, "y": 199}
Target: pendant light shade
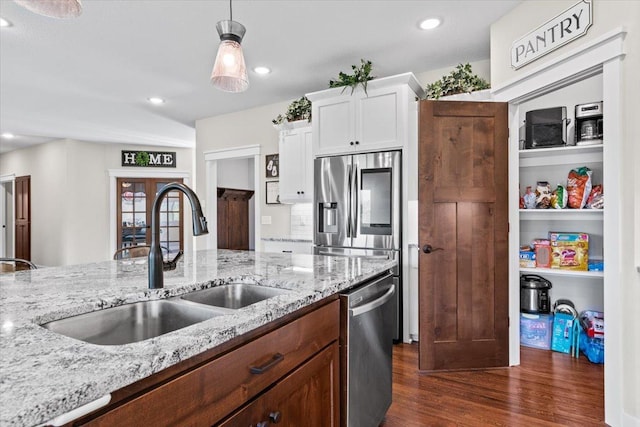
{"x": 53, "y": 8}
{"x": 229, "y": 71}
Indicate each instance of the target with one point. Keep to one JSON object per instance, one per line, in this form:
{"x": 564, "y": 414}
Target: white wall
{"x": 235, "y": 173}
{"x": 70, "y": 196}
{"x": 607, "y": 17}
{"x": 241, "y": 129}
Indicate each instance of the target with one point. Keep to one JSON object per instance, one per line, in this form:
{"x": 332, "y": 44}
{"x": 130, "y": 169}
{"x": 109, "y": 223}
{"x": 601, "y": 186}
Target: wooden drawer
{"x": 212, "y": 391}
{"x": 308, "y": 397}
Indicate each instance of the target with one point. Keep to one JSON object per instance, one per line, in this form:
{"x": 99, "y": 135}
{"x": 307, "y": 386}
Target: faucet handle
{"x": 171, "y": 265}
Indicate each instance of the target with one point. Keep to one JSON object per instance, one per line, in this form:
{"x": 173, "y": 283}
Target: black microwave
{"x": 546, "y": 128}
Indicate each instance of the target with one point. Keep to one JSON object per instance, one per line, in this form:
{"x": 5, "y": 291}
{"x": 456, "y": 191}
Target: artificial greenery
{"x": 460, "y": 80}
{"x": 360, "y": 76}
{"x": 300, "y": 109}
{"x": 142, "y": 158}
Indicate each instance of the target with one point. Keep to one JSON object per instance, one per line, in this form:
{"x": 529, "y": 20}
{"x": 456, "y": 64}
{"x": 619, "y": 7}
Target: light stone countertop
{"x": 44, "y": 374}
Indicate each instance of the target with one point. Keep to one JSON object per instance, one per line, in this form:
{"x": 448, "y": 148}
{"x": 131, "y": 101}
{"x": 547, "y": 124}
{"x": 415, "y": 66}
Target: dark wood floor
{"x": 547, "y": 389}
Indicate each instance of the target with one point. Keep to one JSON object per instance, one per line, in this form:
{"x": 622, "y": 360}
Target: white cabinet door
{"x": 296, "y": 166}
{"x": 379, "y": 119}
{"x": 376, "y": 120}
{"x": 333, "y": 125}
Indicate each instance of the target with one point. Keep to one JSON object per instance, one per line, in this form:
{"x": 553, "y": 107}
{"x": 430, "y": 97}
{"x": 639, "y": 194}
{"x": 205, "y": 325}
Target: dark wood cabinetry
{"x": 306, "y": 397}
{"x": 233, "y": 218}
{"x": 296, "y": 364}
{"x": 23, "y": 217}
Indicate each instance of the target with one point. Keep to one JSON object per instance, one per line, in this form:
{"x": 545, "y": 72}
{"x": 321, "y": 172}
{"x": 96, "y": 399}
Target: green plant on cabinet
{"x": 460, "y": 80}
{"x": 361, "y": 75}
{"x": 300, "y": 109}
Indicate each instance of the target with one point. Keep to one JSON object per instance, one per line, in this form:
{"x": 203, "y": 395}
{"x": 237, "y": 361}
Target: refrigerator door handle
{"x": 349, "y": 197}
{"x": 354, "y": 201}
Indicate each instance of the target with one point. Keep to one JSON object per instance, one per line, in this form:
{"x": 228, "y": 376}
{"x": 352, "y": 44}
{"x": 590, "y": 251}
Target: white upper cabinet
{"x": 296, "y": 163}
{"x": 377, "y": 120}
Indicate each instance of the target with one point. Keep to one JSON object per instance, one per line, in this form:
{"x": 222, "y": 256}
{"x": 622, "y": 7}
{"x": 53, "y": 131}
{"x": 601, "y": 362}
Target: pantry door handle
{"x": 277, "y": 358}
{"x": 427, "y": 249}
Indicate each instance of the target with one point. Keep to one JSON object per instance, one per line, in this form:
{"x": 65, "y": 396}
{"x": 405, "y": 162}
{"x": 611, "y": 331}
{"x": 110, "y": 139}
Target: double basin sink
{"x": 148, "y": 319}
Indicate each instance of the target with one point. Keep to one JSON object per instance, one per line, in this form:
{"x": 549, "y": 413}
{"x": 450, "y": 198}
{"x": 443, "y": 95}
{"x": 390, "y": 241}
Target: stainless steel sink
{"x": 131, "y": 322}
{"x": 234, "y": 295}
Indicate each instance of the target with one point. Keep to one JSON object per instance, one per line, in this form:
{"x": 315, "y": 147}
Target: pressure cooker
{"x": 534, "y": 294}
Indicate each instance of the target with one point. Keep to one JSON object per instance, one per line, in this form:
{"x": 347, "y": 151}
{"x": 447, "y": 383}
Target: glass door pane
{"x": 133, "y": 213}
{"x": 375, "y": 201}
{"x": 170, "y": 221}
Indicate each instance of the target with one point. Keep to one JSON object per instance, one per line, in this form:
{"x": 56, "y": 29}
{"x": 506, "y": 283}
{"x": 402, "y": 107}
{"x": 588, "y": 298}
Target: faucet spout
{"x": 156, "y": 263}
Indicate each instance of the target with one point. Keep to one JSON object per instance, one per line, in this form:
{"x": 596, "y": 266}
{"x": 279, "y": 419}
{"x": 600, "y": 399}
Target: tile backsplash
{"x": 302, "y": 221}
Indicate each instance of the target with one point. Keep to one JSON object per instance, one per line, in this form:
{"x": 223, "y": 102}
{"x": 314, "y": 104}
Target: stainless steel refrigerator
{"x": 357, "y": 203}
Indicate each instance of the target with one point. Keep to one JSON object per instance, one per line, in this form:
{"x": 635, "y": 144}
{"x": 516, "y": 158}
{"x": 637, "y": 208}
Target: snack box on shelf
{"x": 569, "y": 251}
{"x": 542, "y": 248}
{"x": 596, "y": 265}
{"x": 527, "y": 259}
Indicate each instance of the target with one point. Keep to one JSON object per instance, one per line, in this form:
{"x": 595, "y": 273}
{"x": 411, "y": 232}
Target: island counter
{"x": 44, "y": 374}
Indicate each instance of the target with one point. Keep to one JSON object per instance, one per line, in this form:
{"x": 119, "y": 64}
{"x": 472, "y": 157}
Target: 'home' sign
{"x": 165, "y": 159}
{"x": 569, "y": 25}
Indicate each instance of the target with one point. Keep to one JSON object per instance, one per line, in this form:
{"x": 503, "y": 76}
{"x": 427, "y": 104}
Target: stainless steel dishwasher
{"x": 368, "y": 314}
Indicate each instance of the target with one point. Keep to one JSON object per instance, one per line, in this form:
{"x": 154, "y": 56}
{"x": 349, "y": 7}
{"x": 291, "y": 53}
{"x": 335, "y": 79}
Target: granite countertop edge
{"x": 45, "y": 374}
{"x": 286, "y": 239}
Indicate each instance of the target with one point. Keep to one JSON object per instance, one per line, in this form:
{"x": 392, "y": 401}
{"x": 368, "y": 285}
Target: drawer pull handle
{"x": 277, "y": 358}
{"x": 275, "y": 417}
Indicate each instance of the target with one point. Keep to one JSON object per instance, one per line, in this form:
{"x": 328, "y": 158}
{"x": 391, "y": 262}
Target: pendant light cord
{"x": 230, "y": 11}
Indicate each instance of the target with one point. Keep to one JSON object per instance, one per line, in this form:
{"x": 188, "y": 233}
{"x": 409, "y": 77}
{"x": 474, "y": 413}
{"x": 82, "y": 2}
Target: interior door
{"x": 23, "y": 217}
{"x": 463, "y": 230}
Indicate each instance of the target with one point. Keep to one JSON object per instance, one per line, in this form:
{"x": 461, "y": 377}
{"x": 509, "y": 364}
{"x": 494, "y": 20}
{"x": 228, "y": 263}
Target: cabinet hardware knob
{"x": 427, "y": 249}
{"x": 277, "y": 358}
{"x": 351, "y": 143}
{"x": 357, "y": 142}
{"x": 302, "y": 192}
{"x": 275, "y": 417}
{"x": 263, "y": 424}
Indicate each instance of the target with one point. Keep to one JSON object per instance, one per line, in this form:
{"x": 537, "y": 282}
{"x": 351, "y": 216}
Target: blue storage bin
{"x": 536, "y": 330}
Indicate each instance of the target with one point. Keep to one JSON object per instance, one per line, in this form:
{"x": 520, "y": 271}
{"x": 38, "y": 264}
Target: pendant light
{"x": 53, "y": 8}
{"x": 229, "y": 71}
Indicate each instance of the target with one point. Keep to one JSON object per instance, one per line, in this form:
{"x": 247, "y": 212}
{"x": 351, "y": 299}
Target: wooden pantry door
{"x": 463, "y": 232}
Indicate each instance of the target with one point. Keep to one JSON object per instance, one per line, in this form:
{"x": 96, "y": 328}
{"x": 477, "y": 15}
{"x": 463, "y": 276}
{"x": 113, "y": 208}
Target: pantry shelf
{"x": 574, "y": 149}
{"x": 561, "y": 155}
{"x": 561, "y": 214}
{"x": 565, "y": 273}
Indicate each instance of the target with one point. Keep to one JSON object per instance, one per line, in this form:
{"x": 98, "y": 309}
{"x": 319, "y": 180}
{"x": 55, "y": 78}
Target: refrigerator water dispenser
{"x": 328, "y": 214}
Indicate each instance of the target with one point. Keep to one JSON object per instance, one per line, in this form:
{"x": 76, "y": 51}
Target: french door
{"x": 136, "y": 196}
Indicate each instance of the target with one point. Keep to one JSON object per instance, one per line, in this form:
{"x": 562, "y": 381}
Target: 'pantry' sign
{"x": 569, "y": 25}
{"x": 165, "y": 159}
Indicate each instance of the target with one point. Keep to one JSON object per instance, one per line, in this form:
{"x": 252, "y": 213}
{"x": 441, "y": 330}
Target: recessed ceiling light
{"x": 7, "y": 135}
{"x": 155, "y": 100}
{"x": 4, "y": 23}
{"x": 430, "y": 24}
{"x": 262, "y": 70}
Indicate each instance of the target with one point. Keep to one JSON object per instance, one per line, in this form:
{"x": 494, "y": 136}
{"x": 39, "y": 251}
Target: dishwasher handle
{"x": 365, "y": 308}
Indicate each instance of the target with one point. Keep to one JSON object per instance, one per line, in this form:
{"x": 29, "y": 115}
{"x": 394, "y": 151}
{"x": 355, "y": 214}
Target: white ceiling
{"x": 89, "y": 78}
